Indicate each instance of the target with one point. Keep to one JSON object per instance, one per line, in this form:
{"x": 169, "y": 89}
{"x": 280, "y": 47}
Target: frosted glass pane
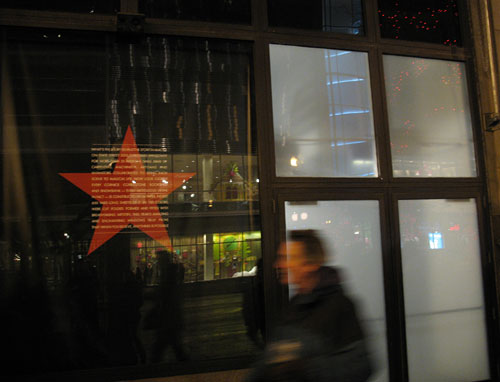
{"x": 322, "y": 113}
{"x": 351, "y": 234}
{"x": 445, "y": 320}
{"x": 429, "y": 118}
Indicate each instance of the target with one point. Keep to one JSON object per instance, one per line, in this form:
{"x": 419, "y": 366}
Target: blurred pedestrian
{"x": 320, "y": 338}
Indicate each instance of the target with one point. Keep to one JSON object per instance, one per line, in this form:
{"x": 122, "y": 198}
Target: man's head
{"x": 313, "y": 246}
{"x": 299, "y": 258}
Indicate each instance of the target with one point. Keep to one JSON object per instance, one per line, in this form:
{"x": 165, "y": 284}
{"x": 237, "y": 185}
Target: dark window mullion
{"x": 380, "y": 115}
{"x": 396, "y": 323}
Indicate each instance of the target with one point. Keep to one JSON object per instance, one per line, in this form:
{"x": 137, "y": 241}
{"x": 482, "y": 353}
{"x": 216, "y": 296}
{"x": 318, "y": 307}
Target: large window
{"x": 322, "y": 113}
{"x": 340, "y": 16}
{"x": 433, "y": 21}
{"x": 326, "y": 127}
{"x": 207, "y": 10}
{"x": 433, "y": 137}
{"x": 130, "y": 187}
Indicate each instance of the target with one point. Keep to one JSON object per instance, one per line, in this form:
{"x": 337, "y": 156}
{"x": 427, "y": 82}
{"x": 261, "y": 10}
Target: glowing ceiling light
{"x": 340, "y": 53}
{"x": 351, "y": 112}
{"x": 294, "y": 162}
{"x": 347, "y": 143}
{"x": 344, "y": 81}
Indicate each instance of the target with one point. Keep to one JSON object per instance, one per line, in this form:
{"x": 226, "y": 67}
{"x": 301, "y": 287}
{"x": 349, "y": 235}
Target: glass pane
{"x": 113, "y": 153}
{"x": 351, "y": 234}
{"x": 322, "y": 113}
{"x": 435, "y": 21}
{"x": 443, "y": 290}
{"x": 80, "y": 6}
{"x": 429, "y": 118}
{"x": 236, "y": 12}
{"x": 340, "y": 16}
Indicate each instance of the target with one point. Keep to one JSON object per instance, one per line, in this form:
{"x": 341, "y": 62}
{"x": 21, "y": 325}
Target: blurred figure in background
{"x": 253, "y": 306}
{"x": 320, "y": 338}
{"x": 169, "y": 308}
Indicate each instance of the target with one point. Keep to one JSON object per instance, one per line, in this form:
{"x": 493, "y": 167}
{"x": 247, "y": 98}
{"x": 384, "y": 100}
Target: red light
{"x": 139, "y": 245}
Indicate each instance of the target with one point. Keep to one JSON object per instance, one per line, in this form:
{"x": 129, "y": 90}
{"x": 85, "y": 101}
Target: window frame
{"x": 274, "y": 191}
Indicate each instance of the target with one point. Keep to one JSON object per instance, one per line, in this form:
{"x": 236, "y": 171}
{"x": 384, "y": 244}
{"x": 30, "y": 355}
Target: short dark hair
{"x": 315, "y": 252}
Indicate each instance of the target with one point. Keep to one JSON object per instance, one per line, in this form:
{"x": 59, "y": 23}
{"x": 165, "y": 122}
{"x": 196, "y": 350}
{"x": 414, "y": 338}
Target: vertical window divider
{"x": 370, "y": 15}
{"x": 379, "y": 100}
{"x": 263, "y": 120}
{"x": 490, "y": 283}
{"x": 398, "y": 359}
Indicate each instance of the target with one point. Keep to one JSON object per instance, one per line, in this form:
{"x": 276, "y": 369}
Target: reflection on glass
{"x": 237, "y": 12}
{"x": 340, "y": 16}
{"x": 429, "y": 118}
{"x": 205, "y": 257}
{"x": 350, "y": 231}
{"x": 434, "y": 21}
{"x": 443, "y": 291}
{"x": 71, "y": 101}
{"x": 322, "y": 113}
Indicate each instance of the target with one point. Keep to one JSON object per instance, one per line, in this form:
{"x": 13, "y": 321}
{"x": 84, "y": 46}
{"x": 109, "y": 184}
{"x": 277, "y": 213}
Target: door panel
{"x": 350, "y": 230}
{"x": 443, "y": 293}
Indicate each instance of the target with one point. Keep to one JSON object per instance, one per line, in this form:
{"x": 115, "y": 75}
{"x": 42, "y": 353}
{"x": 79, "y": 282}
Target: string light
{"x": 401, "y": 21}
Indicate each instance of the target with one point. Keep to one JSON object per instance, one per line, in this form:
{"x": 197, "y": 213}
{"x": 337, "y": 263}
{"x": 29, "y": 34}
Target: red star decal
{"x": 129, "y": 195}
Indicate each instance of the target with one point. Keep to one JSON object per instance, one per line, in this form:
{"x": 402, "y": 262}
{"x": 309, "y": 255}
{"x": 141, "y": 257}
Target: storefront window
{"x": 237, "y": 12}
{"x": 131, "y": 228}
{"x": 434, "y": 21}
{"x": 322, "y": 113}
{"x": 205, "y": 257}
{"x": 430, "y": 119}
{"x": 339, "y": 16}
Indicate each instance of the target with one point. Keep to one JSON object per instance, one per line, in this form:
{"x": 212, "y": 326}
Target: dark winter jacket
{"x": 319, "y": 340}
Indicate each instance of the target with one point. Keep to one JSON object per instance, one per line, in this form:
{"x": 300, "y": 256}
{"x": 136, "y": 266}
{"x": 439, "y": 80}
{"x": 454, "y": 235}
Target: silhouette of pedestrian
{"x": 253, "y": 307}
{"x": 169, "y": 308}
{"x": 125, "y": 301}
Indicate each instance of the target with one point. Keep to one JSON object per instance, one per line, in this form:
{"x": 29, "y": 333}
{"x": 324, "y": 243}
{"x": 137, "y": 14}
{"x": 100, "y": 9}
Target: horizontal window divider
{"x": 328, "y": 181}
{"x": 383, "y": 187}
{"x": 318, "y": 42}
{"x": 436, "y": 193}
{"x": 200, "y": 29}
{"x": 315, "y": 196}
{"x": 107, "y": 22}
{"x": 416, "y": 49}
{"x": 436, "y": 181}
{"x": 391, "y": 181}
{"x": 315, "y": 34}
